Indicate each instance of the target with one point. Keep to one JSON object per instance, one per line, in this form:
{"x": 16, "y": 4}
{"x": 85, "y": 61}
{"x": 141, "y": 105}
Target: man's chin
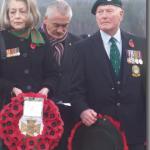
{"x": 58, "y": 37}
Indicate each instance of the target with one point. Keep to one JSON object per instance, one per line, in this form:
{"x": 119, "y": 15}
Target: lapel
{"x": 125, "y": 67}
{"x": 67, "y": 52}
{"x": 101, "y": 58}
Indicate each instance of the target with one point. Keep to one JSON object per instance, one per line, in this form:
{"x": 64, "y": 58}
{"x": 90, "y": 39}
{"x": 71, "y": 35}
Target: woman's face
{"x": 17, "y": 14}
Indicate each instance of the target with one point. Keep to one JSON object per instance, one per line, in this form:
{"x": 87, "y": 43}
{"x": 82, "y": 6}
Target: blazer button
{"x": 60, "y": 74}
{"x": 29, "y": 87}
{"x": 119, "y": 92}
{"x": 26, "y": 71}
{"x": 112, "y": 88}
{"x": 118, "y": 82}
{"x": 24, "y": 55}
{"x": 118, "y": 104}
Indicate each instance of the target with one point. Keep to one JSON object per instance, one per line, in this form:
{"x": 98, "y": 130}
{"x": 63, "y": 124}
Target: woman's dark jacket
{"x": 30, "y": 71}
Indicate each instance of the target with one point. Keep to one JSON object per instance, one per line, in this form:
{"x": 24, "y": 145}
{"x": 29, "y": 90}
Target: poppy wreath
{"x": 104, "y": 134}
{"x": 11, "y": 134}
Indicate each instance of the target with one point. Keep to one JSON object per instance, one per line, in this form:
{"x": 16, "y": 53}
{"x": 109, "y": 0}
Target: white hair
{"x": 61, "y": 6}
{"x": 33, "y": 13}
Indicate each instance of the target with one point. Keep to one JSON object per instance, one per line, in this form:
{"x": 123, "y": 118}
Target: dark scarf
{"x": 36, "y": 36}
{"x": 56, "y": 44}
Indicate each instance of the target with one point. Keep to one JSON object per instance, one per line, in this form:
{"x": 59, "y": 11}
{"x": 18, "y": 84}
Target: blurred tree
{"x": 83, "y": 22}
{"x": 135, "y": 17}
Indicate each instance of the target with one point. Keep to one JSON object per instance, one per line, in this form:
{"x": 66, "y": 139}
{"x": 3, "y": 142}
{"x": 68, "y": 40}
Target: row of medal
{"x": 13, "y": 52}
{"x": 134, "y": 57}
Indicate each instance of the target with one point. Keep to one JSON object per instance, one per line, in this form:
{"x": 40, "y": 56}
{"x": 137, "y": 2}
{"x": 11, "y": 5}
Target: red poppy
{"x": 31, "y": 142}
{"x": 33, "y": 45}
{"x": 7, "y": 141}
{"x": 21, "y": 146}
{"x": 131, "y": 43}
{"x": 43, "y": 144}
{"x": 16, "y": 109}
{"x": 3, "y": 118}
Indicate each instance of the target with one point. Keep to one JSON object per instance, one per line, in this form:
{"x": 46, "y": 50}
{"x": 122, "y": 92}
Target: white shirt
{"x": 106, "y": 37}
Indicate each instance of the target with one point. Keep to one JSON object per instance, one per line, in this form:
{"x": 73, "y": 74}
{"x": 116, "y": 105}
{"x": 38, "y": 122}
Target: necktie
{"x": 115, "y": 56}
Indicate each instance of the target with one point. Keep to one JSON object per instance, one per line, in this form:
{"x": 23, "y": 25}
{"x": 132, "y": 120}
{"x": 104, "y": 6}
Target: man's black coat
{"x": 95, "y": 86}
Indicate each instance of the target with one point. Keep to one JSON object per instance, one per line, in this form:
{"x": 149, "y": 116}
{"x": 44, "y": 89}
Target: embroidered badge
{"x": 136, "y": 71}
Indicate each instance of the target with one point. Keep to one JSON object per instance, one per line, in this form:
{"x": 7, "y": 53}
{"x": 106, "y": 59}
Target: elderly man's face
{"x": 57, "y": 25}
{"x": 108, "y": 18}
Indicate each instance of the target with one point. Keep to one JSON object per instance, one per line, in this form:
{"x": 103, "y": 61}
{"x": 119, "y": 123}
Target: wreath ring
{"x": 11, "y": 134}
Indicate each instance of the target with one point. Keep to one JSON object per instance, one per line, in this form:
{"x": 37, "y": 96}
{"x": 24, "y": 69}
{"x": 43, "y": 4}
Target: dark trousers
{"x": 137, "y": 147}
{"x": 67, "y": 117}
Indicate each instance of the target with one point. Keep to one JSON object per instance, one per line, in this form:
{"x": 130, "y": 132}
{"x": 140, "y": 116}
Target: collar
{"x": 106, "y": 37}
{"x": 36, "y": 36}
{"x": 50, "y": 38}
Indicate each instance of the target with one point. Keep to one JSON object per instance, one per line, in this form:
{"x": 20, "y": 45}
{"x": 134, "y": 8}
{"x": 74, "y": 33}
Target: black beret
{"x": 105, "y": 2}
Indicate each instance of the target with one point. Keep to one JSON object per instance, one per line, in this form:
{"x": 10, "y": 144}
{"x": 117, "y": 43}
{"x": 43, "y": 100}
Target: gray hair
{"x": 33, "y": 14}
{"x": 61, "y": 6}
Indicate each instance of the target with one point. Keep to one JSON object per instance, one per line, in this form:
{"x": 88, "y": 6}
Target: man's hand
{"x": 44, "y": 91}
{"x": 88, "y": 117}
{"x": 16, "y": 91}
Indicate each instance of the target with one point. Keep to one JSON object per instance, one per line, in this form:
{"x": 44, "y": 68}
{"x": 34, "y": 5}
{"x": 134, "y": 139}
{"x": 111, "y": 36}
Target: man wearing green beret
{"x": 109, "y": 75}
